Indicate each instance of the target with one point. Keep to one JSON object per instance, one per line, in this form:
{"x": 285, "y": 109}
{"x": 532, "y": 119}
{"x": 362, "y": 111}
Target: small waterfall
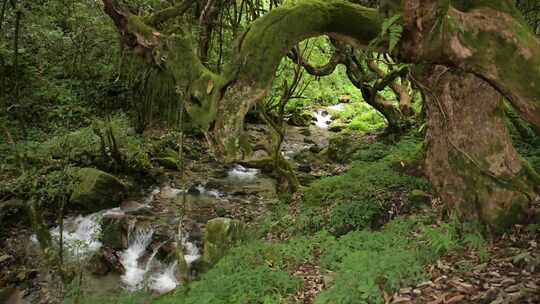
{"x": 134, "y": 276}
{"x": 150, "y": 197}
{"x": 80, "y": 234}
{"x": 323, "y": 119}
{"x": 213, "y": 193}
{"x": 338, "y": 107}
{"x": 165, "y": 280}
{"x": 241, "y": 173}
{"x": 152, "y": 256}
{"x": 191, "y": 252}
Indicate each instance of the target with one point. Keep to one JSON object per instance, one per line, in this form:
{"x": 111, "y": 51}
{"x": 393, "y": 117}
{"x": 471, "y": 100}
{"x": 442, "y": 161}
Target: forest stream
{"x": 132, "y": 247}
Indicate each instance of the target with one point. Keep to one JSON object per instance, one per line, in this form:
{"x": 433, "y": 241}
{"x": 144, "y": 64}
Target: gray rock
{"x": 220, "y": 235}
{"x": 96, "y": 190}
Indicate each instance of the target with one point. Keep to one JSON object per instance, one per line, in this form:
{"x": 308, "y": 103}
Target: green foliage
{"x": 251, "y": 273}
{"x": 362, "y": 197}
{"x": 391, "y": 31}
{"x": 66, "y": 71}
{"x": 368, "y": 262}
{"x": 87, "y": 147}
{"x": 360, "y": 116}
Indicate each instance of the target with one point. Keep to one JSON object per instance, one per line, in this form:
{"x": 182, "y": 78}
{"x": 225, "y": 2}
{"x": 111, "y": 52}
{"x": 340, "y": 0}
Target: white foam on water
{"x": 153, "y": 274}
{"x": 337, "y": 107}
{"x": 242, "y": 173}
{"x": 150, "y": 197}
{"x": 203, "y": 191}
{"x": 169, "y": 192}
{"x": 323, "y": 119}
{"x": 191, "y": 252}
{"x": 80, "y": 234}
{"x": 165, "y": 280}
{"x": 114, "y": 211}
{"x": 134, "y": 274}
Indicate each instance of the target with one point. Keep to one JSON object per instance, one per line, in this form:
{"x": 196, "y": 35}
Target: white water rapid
{"x": 242, "y": 173}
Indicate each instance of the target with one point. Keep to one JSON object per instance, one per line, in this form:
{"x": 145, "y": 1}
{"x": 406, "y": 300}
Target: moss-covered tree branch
{"x": 488, "y": 38}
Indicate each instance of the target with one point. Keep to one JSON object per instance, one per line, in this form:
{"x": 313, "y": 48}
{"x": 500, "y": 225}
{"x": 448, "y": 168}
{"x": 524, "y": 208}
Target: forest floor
{"x": 505, "y": 271}
{"x": 364, "y": 228}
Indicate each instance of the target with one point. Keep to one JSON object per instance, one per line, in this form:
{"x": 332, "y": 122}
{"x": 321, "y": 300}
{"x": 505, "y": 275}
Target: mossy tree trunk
{"x": 471, "y": 161}
{"x": 470, "y": 158}
{"x": 218, "y": 103}
{"x": 487, "y": 38}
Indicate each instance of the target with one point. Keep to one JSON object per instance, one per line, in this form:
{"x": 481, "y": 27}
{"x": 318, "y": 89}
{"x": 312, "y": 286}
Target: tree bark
{"x": 487, "y": 38}
{"x": 470, "y": 158}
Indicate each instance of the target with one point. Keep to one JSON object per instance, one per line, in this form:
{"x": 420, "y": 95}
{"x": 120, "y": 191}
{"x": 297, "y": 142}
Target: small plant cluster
{"x": 363, "y": 263}
{"x": 364, "y": 196}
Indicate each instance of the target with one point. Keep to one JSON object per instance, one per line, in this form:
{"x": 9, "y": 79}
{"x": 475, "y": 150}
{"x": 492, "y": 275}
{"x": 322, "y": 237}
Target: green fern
{"x": 391, "y": 31}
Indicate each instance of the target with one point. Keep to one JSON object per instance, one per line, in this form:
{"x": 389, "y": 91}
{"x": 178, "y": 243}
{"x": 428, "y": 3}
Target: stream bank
{"x": 130, "y": 248}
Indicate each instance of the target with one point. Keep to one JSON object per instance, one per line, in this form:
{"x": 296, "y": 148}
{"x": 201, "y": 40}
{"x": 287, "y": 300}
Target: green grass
{"x": 362, "y": 263}
{"x": 361, "y": 197}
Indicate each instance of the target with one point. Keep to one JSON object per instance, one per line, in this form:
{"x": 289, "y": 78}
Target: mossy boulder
{"x": 167, "y": 162}
{"x": 419, "y": 197}
{"x": 220, "y": 235}
{"x": 96, "y": 190}
{"x": 114, "y": 231}
{"x": 342, "y": 146}
{"x": 14, "y": 211}
{"x": 337, "y": 127}
{"x": 300, "y": 119}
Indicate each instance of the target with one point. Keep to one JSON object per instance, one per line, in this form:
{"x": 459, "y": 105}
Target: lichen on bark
{"x": 470, "y": 157}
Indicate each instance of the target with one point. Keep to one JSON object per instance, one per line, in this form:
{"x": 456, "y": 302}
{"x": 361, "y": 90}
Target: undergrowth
{"x": 366, "y": 195}
{"x": 361, "y": 263}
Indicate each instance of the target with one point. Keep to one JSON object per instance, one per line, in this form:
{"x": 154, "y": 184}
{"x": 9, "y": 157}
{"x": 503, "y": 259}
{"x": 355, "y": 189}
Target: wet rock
{"x": 304, "y": 167}
{"x": 167, "y": 252}
{"x": 105, "y": 261}
{"x": 13, "y": 210}
{"x": 337, "y": 127}
{"x": 308, "y": 140}
{"x": 419, "y": 197}
{"x": 169, "y": 192}
{"x": 194, "y": 190}
{"x": 300, "y": 119}
{"x": 114, "y": 231}
{"x": 97, "y": 265}
{"x": 343, "y": 146}
{"x": 167, "y": 162}
{"x": 315, "y": 149}
{"x": 221, "y": 233}
{"x": 96, "y": 190}
{"x": 200, "y": 266}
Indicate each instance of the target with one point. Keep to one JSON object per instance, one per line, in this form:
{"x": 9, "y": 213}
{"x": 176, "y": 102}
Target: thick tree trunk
{"x": 470, "y": 158}
{"x": 487, "y": 38}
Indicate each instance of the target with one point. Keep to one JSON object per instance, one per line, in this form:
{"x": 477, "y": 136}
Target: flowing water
{"x": 323, "y": 118}
{"x": 241, "y": 173}
{"x": 134, "y": 273}
{"x": 143, "y": 269}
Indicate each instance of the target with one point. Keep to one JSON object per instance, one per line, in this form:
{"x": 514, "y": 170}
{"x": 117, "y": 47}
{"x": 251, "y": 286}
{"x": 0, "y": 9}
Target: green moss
{"x": 361, "y": 197}
{"x": 137, "y": 26}
{"x": 220, "y": 235}
{"x": 515, "y": 214}
{"x": 96, "y": 190}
